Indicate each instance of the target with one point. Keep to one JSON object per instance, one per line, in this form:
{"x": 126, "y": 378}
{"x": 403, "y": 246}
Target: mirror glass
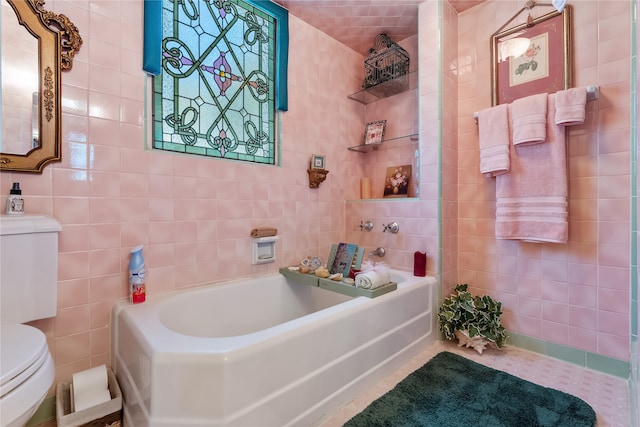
{"x": 19, "y": 77}
{"x": 36, "y": 46}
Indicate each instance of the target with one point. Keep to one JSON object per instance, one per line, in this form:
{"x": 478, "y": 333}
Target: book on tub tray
{"x": 341, "y": 258}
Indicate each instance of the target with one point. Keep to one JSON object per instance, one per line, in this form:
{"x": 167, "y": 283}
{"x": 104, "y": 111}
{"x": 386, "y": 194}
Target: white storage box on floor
{"x": 107, "y": 414}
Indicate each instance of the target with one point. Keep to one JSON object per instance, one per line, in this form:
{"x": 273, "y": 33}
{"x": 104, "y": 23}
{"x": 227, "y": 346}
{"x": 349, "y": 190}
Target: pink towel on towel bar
{"x": 571, "y": 106}
{"x": 528, "y": 119}
{"x": 493, "y": 130}
{"x": 531, "y": 200}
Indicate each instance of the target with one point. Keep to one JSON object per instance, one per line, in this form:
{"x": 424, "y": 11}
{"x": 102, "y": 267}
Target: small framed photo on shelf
{"x": 374, "y": 132}
{"x": 317, "y": 162}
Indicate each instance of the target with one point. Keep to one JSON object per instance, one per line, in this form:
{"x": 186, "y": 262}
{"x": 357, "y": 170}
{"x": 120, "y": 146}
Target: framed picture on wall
{"x": 317, "y": 162}
{"x": 396, "y": 183}
{"x": 531, "y": 58}
{"x": 374, "y": 132}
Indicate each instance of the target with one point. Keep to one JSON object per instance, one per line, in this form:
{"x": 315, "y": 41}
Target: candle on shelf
{"x": 420, "y": 264}
{"x": 365, "y": 188}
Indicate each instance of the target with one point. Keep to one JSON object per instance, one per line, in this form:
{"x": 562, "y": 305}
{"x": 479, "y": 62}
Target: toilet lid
{"x": 23, "y": 349}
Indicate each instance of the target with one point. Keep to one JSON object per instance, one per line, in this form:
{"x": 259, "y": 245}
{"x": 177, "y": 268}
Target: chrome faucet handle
{"x": 366, "y": 226}
{"x": 391, "y": 227}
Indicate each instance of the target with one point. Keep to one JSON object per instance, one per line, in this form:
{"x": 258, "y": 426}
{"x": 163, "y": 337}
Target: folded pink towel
{"x": 571, "y": 106}
{"x": 528, "y": 119}
{"x": 493, "y": 130}
{"x": 531, "y": 200}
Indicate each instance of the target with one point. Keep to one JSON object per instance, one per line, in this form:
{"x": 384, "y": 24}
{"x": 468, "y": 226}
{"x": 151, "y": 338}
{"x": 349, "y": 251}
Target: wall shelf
{"x": 386, "y": 144}
{"x": 386, "y": 89}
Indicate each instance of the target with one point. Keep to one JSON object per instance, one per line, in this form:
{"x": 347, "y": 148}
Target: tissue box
{"x": 107, "y": 414}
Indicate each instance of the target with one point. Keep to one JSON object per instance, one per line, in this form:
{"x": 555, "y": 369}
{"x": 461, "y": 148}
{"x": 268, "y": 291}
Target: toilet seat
{"x": 23, "y": 351}
{"x": 26, "y": 372}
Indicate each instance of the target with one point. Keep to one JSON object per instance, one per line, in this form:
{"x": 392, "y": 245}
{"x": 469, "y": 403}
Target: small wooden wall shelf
{"x": 316, "y": 176}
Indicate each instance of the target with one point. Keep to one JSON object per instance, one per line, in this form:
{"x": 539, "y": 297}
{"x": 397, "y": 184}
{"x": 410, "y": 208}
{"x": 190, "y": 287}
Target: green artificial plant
{"x": 479, "y": 316}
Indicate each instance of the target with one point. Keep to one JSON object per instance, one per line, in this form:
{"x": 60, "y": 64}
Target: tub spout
{"x": 378, "y": 252}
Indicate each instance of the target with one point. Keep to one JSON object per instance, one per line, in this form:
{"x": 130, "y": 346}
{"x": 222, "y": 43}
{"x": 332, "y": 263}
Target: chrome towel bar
{"x": 592, "y": 93}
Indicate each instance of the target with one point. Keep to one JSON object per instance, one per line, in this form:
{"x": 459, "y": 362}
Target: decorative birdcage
{"x": 386, "y": 61}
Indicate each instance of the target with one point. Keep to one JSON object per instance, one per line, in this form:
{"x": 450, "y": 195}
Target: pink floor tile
{"x": 606, "y": 394}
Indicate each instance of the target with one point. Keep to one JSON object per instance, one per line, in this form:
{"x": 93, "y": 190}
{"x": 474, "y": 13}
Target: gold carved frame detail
{"x": 58, "y": 41}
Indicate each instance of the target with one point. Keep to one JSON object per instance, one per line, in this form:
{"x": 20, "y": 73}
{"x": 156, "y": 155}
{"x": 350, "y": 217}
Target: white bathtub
{"x": 263, "y": 351}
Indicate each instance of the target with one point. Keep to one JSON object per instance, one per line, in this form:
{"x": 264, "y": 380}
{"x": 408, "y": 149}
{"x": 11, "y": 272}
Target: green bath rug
{"x": 452, "y": 391}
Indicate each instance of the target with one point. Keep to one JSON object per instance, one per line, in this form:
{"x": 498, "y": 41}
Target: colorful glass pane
{"x": 215, "y": 95}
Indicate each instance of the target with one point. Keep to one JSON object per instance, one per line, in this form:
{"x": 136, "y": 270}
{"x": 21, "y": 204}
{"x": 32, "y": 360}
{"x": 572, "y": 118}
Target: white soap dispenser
{"x": 15, "y": 202}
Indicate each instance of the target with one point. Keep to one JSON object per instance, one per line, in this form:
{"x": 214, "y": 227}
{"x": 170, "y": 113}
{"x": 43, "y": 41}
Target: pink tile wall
{"x": 416, "y": 217}
{"x": 635, "y": 360}
{"x": 449, "y": 154}
{"x": 401, "y": 114}
{"x": 192, "y": 214}
{"x": 575, "y": 294}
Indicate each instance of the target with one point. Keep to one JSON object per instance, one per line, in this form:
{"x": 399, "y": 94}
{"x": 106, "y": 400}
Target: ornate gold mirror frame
{"x": 58, "y": 40}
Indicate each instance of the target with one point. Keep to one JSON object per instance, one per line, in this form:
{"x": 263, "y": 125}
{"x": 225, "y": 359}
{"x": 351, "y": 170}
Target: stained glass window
{"x": 215, "y": 95}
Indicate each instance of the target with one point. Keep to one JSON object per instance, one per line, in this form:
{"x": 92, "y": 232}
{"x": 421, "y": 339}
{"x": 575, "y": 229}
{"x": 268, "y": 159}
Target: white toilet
{"x": 28, "y": 291}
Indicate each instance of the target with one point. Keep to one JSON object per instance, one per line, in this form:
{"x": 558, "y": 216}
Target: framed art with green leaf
{"x": 532, "y": 58}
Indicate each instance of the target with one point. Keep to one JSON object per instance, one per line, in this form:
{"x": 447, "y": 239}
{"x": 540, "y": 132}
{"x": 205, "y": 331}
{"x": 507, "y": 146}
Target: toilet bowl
{"x": 27, "y": 373}
{"x": 28, "y": 291}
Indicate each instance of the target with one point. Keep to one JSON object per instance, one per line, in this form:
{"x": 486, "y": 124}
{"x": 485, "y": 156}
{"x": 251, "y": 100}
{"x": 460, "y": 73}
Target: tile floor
{"x": 606, "y": 394}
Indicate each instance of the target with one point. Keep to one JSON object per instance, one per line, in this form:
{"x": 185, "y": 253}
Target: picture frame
{"x": 397, "y": 181}
{"x": 317, "y": 161}
{"x": 374, "y": 132}
{"x": 544, "y": 67}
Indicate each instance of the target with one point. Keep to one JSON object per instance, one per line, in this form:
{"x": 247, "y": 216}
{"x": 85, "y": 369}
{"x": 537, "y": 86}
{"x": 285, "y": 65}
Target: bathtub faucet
{"x": 378, "y": 252}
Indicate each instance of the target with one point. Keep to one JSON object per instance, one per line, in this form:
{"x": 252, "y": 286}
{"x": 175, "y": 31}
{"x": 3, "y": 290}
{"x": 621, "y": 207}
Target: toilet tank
{"x": 28, "y": 267}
